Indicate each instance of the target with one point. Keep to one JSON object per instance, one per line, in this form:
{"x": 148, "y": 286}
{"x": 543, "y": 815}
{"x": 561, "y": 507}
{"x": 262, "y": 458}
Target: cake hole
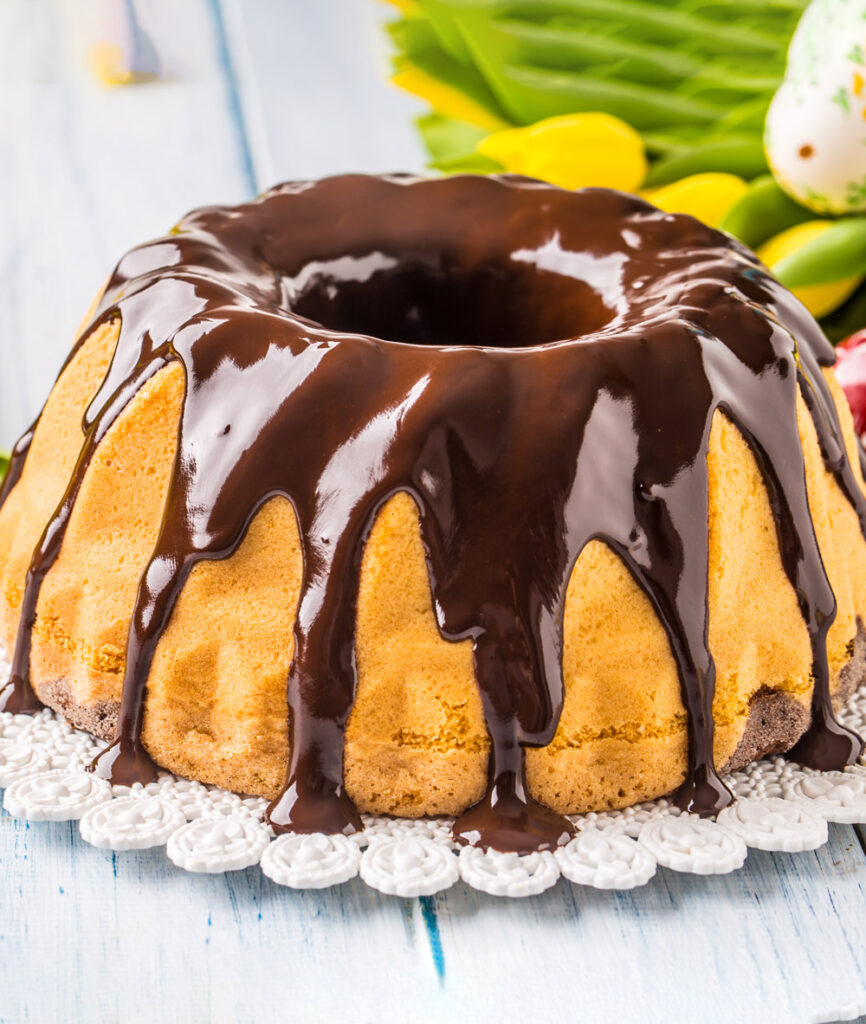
{"x": 430, "y": 299}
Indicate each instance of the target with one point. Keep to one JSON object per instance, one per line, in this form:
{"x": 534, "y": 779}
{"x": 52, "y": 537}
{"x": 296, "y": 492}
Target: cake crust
{"x": 775, "y": 722}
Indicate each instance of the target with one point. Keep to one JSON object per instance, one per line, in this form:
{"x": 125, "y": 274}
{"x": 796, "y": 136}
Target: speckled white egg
{"x": 816, "y": 126}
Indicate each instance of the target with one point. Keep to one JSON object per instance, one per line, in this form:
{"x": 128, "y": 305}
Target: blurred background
{"x": 118, "y": 116}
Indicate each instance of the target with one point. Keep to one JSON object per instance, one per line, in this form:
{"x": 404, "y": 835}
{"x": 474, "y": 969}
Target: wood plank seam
{"x": 227, "y": 66}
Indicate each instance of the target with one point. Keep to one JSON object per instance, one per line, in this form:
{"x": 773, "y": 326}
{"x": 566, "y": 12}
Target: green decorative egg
{"x": 815, "y": 135}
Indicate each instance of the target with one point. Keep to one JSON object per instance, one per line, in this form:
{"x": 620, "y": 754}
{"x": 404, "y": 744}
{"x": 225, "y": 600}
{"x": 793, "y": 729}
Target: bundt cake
{"x": 524, "y": 502}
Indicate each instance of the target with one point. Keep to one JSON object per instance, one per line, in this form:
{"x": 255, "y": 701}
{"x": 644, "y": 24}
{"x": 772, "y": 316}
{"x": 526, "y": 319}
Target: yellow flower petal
{"x": 106, "y": 63}
{"x": 819, "y": 299}
{"x": 409, "y": 8}
{"x": 445, "y": 99}
{"x": 573, "y": 151}
{"x": 109, "y": 64}
{"x": 705, "y": 196}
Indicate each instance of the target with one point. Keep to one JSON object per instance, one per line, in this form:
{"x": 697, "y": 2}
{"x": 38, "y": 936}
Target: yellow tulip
{"x": 705, "y": 196}
{"x": 573, "y": 151}
{"x": 819, "y": 299}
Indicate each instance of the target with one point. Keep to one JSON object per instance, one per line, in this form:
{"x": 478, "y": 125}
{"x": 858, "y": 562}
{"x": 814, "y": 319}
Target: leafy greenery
{"x": 695, "y": 77}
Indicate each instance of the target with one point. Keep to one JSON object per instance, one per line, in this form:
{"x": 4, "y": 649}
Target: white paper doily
{"x": 780, "y": 806}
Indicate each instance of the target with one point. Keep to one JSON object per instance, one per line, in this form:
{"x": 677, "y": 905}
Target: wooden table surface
{"x": 255, "y": 91}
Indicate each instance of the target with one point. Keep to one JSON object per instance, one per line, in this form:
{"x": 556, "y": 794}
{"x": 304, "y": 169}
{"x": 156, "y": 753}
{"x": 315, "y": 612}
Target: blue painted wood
{"x": 259, "y": 90}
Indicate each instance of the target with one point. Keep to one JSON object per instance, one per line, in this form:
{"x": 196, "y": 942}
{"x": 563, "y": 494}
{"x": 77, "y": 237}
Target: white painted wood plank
{"x": 314, "y": 89}
{"x": 92, "y": 936}
{"x": 778, "y": 942}
{"x": 129, "y": 937}
{"x": 88, "y": 171}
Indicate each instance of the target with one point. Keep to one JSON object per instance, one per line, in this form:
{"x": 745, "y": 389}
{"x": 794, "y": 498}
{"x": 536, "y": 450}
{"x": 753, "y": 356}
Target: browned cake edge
{"x": 776, "y": 719}
{"x": 99, "y": 719}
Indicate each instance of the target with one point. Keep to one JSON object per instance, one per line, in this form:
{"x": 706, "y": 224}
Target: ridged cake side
{"x": 416, "y": 741}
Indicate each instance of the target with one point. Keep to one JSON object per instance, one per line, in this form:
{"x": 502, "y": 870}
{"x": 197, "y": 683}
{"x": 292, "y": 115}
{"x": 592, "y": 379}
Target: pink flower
{"x": 851, "y": 373}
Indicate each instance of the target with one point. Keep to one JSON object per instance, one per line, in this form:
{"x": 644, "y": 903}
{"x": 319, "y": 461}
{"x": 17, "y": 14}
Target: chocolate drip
{"x": 537, "y": 369}
{"x": 17, "y": 695}
{"x": 16, "y": 462}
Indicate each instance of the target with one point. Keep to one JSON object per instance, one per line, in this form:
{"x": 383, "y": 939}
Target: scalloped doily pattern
{"x": 780, "y": 806}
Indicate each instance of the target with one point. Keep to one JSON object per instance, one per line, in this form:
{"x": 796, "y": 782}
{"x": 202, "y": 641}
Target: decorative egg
{"x": 815, "y": 136}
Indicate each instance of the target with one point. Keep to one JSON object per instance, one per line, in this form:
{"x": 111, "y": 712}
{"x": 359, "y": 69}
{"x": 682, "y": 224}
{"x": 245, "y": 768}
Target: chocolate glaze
{"x": 18, "y": 696}
{"x": 537, "y": 368}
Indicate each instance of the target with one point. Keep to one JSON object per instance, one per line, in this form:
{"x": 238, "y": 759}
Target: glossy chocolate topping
{"x": 537, "y": 368}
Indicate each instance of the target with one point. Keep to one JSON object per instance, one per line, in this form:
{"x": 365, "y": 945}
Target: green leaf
{"x": 475, "y": 164}
{"x": 448, "y": 140}
{"x": 464, "y": 80}
{"x": 746, "y": 117}
{"x": 742, "y": 155}
{"x": 646, "y": 21}
{"x": 411, "y": 36}
{"x": 764, "y": 211}
{"x": 531, "y": 94}
{"x": 575, "y": 48}
{"x": 836, "y": 254}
